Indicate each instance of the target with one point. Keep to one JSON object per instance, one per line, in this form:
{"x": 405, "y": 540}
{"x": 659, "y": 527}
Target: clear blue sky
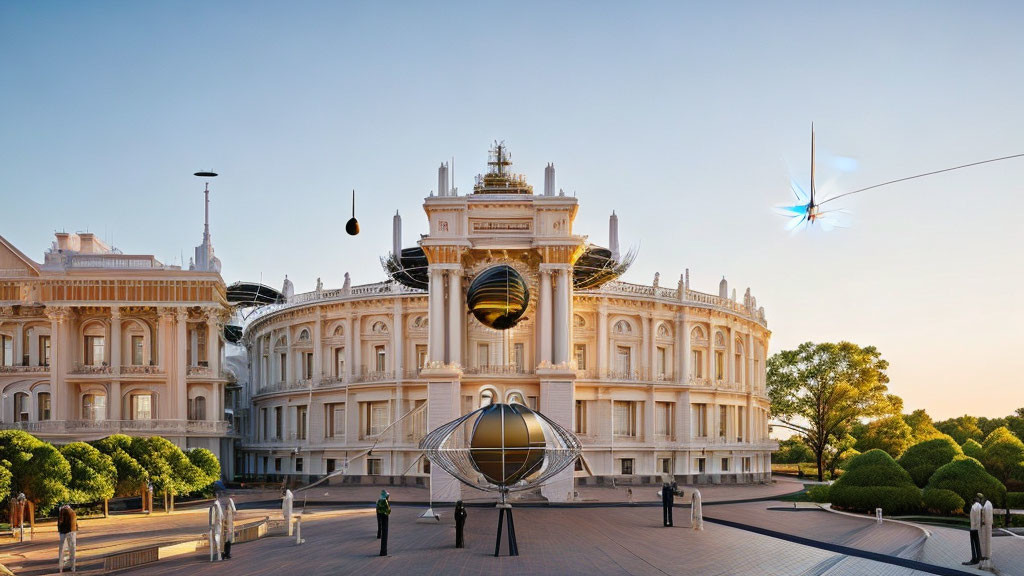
{"x": 685, "y": 119}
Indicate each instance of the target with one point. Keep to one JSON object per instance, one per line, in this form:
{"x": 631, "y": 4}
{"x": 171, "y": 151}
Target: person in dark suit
{"x": 383, "y": 510}
{"x": 668, "y": 499}
{"x": 460, "y": 524}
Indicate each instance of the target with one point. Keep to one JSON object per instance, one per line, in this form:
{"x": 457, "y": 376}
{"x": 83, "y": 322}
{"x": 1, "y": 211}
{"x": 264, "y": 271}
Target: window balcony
{"x": 24, "y": 369}
{"x": 497, "y": 370}
{"x": 90, "y": 369}
{"x": 140, "y": 370}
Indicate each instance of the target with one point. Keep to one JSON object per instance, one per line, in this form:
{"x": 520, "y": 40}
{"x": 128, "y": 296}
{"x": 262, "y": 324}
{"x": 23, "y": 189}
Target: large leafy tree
{"x": 961, "y": 428}
{"x": 820, "y": 390}
{"x": 93, "y": 475}
{"x": 169, "y": 469}
{"x": 889, "y": 433}
{"x": 131, "y": 476}
{"x": 37, "y": 468}
{"x": 1003, "y": 456}
{"x": 207, "y": 465}
{"x": 921, "y": 425}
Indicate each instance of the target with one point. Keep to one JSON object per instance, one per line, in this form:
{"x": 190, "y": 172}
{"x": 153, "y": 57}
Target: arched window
{"x": 21, "y": 407}
{"x": 623, "y": 327}
{"x": 578, "y": 321}
{"x": 663, "y": 331}
{"x": 304, "y": 335}
{"x": 43, "y": 400}
{"x": 199, "y": 408}
{"x": 515, "y": 398}
{"x": 379, "y": 327}
{"x": 339, "y": 330}
{"x": 94, "y": 407}
{"x": 486, "y": 397}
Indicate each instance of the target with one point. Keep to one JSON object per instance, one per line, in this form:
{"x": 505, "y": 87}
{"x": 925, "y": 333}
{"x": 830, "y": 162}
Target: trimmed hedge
{"x": 973, "y": 449}
{"x": 966, "y": 476}
{"x": 818, "y": 493}
{"x": 942, "y": 501}
{"x": 922, "y": 459}
{"x": 874, "y": 480}
{"x": 1015, "y": 500}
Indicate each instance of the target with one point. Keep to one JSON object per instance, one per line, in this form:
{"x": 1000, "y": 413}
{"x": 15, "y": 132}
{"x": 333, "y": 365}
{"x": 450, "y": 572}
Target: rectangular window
{"x": 44, "y": 405}
{"x": 298, "y": 464}
{"x": 483, "y": 355}
{"x": 665, "y": 465}
{"x": 581, "y": 356}
{"x": 581, "y": 417}
{"x": 746, "y": 464}
{"x": 381, "y": 358}
{"x": 700, "y": 420}
{"x": 421, "y": 356}
{"x": 697, "y": 364}
{"x": 373, "y": 466}
{"x": 701, "y": 465}
{"x": 94, "y": 407}
{"x": 307, "y": 365}
{"x": 531, "y": 403}
{"x": 263, "y": 425}
{"x": 737, "y": 372}
{"x": 21, "y": 407}
{"x": 375, "y": 417}
{"x": 301, "y": 420}
{"x": 741, "y": 427}
{"x": 719, "y": 365}
{"x": 623, "y": 361}
{"x": 142, "y": 407}
{"x": 335, "y": 418}
{"x": 518, "y": 356}
{"x": 625, "y": 418}
{"x": 265, "y": 468}
{"x": 284, "y": 368}
{"x": 723, "y": 421}
{"x": 44, "y": 350}
{"x": 725, "y": 464}
{"x": 661, "y": 363}
{"x": 278, "y": 422}
{"x": 137, "y": 351}
{"x": 331, "y": 463}
{"x": 94, "y": 350}
{"x": 663, "y": 418}
{"x": 6, "y": 351}
{"x": 277, "y": 464}
{"x": 626, "y": 466}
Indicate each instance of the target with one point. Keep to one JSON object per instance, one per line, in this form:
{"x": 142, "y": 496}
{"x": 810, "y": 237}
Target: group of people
{"x": 384, "y": 511}
{"x": 982, "y": 519}
{"x": 668, "y": 495}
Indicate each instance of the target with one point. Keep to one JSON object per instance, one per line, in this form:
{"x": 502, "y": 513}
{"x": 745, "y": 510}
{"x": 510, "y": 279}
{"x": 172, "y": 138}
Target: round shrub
{"x": 942, "y": 501}
{"x": 973, "y": 449}
{"x": 1015, "y": 500}
{"x": 874, "y": 480}
{"x": 922, "y": 459}
{"x": 818, "y": 493}
{"x": 966, "y": 476}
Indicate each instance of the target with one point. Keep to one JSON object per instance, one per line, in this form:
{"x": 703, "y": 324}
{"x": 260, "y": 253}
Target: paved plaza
{"x": 740, "y": 537}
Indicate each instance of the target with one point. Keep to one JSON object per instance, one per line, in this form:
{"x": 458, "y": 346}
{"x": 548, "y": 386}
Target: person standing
{"x": 383, "y": 511}
{"x": 460, "y": 524}
{"x": 668, "y": 499}
{"x": 975, "y": 527}
{"x": 986, "y": 534}
{"x": 229, "y": 527}
{"x": 67, "y": 527}
{"x": 696, "y": 513}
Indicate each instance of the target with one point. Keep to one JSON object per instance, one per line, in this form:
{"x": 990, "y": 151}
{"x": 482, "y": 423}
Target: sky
{"x": 686, "y": 119}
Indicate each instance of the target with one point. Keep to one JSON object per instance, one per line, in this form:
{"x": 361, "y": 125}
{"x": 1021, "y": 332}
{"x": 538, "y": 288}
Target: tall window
{"x": 518, "y": 356}
{"x": 737, "y": 373}
{"x": 94, "y": 407}
{"x": 725, "y": 464}
{"x": 307, "y": 365}
{"x": 373, "y": 466}
{"x": 6, "y": 351}
{"x": 381, "y": 358}
{"x": 284, "y": 367}
{"x": 581, "y": 417}
{"x": 335, "y": 418}
{"x": 301, "y": 421}
{"x": 625, "y": 418}
{"x": 43, "y": 398}
{"x": 661, "y": 363}
{"x": 741, "y": 427}
{"x": 581, "y": 356}
{"x": 375, "y": 417}
{"x": 94, "y": 350}
{"x": 719, "y": 365}
{"x": 339, "y": 363}
{"x": 663, "y": 418}
{"x": 44, "y": 350}
{"x": 700, "y": 419}
{"x": 697, "y": 363}
{"x": 626, "y": 466}
{"x": 701, "y": 465}
{"x": 278, "y": 422}
{"x": 723, "y": 421}
{"x": 263, "y": 427}
{"x": 421, "y": 356}
{"x": 623, "y": 361}
{"x": 21, "y": 407}
{"x": 198, "y": 408}
{"x": 665, "y": 465}
{"x": 137, "y": 351}
{"x": 483, "y": 355}
{"x": 142, "y": 406}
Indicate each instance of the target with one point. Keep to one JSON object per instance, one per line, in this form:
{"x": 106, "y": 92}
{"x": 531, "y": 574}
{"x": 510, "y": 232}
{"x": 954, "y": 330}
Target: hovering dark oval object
{"x": 498, "y": 297}
{"x": 205, "y": 174}
{"x": 352, "y": 227}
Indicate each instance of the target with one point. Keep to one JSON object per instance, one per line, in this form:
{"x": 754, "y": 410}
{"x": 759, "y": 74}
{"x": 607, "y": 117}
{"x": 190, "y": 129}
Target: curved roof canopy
{"x": 252, "y": 294}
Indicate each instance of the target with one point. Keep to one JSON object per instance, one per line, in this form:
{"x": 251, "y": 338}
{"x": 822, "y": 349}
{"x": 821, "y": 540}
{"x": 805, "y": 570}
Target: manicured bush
{"x": 874, "y": 480}
{"x": 922, "y": 459}
{"x": 818, "y": 493}
{"x": 208, "y": 466}
{"x": 131, "y": 476}
{"x": 93, "y": 475}
{"x": 973, "y": 449}
{"x": 967, "y": 477}
{"x": 5, "y": 480}
{"x": 37, "y": 469}
{"x": 1003, "y": 456}
{"x": 1015, "y": 500}
{"x": 942, "y": 501}
{"x": 996, "y": 435}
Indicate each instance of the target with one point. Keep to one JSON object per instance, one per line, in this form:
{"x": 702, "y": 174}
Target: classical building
{"x": 95, "y": 342}
{"x": 654, "y": 380}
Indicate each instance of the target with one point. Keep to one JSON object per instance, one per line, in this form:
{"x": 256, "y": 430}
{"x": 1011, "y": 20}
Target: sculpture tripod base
{"x": 513, "y": 547}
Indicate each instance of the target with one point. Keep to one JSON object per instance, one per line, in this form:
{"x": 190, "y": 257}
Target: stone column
{"x": 455, "y": 317}
{"x": 349, "y": 345}
{"x": 19, "y": 341}
{"x": 730, "y": 361}
{"x": 115, "y": 340}
{"x": 646, "y": 371}
{"x": 213, "y": 343}
{"x": 180, "y": 388}
{"x": 58, "y": 360}
{"x": 544, "y": 316}
{"x": 357, "y": 346}
{"x": 435, "y": 295}
{"x": 685, "y": 328}
{"x": 602, "y": 340}
{"x": 318, "y": 349}
{"x": 710, "y": 361}
{"x": 561, "y": 320}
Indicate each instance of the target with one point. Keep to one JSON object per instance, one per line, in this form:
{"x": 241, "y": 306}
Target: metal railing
{"x": 498, "y": 370}
{"x": 115, "y": 426}
{"x": 23, "y": 369}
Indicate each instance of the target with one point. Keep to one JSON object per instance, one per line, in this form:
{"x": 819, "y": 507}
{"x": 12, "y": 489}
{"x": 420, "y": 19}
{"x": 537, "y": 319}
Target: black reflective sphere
{"x": 352, "y": 227}
{"x": 498, "y": 297}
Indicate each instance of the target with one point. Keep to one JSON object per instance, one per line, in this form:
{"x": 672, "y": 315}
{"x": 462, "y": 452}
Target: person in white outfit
{"x": 216, "y": 518}
{"x": 286, "y": 510}
{"x": 986, "y": 534}
{"x": 67, "y": 528}
{"x": 975, "y": 527}
{"x": 696, "y": 514}
{"x": 229, "y": 527}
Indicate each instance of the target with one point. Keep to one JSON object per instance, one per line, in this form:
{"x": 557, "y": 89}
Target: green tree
{"x": 839, "y": 453}
{"x": 922, "y": 459}
{"x": 5, "y": 481}
{"x": 987, "y": 425}
{"x": 208, "y": 466}
{"x": 921, "y": 425}
{"x": 874, "y": 480}
{"x": 819, "y": 390}
{"x": 93, "y": 475}
{"x": 889, "y": 433}
{"x": 170, "y": 471}
{"x": 131, "y": 476}
{"x": 1015, "y": 422}
{"x": 967, "y": 477}
{"x": 973, "y": 449}
{"x": 37, "y": 468}
{"x": 792, "y": 450}
{"x": 1003, "y": 456}
{"x": 961, "y": 428}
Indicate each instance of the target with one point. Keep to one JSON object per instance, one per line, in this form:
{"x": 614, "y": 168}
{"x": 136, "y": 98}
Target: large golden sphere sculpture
{"x": 498, "y": 297}
{"x": 507, "y": 443}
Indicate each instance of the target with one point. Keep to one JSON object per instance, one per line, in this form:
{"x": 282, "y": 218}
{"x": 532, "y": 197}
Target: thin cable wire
{"x": 920, "y": 176}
